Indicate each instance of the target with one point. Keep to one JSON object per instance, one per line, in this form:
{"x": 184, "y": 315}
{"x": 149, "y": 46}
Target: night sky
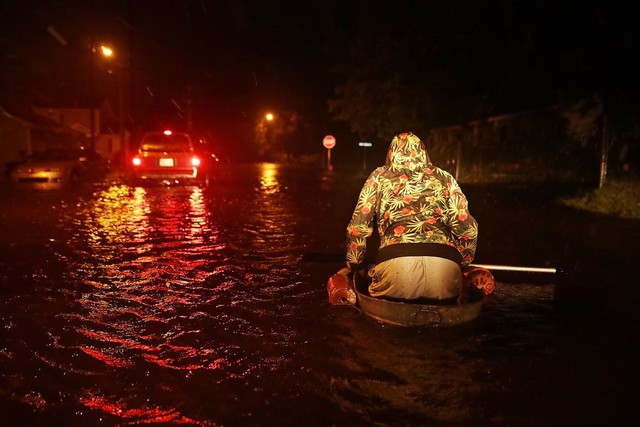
{"x": 217, "y": 65}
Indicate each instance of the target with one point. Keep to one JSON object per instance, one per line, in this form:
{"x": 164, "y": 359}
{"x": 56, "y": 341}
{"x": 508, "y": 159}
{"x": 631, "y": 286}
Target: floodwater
{"x": 198, "y": 306}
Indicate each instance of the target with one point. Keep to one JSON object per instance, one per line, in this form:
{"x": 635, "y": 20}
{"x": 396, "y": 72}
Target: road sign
{"x": 364, "y": 145}
{"x": 329, "y": 142}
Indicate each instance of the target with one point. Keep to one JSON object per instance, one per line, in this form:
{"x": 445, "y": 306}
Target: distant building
{"x": 23, "y": 134}
{"x": 106, "y": 142}
{"x": 531, "y": 146}
{"x": 78, "y": 119}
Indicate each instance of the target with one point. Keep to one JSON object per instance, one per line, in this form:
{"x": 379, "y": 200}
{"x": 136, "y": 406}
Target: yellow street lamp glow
{"x": 106, "y": 50}
{"x": 269, "y": 117}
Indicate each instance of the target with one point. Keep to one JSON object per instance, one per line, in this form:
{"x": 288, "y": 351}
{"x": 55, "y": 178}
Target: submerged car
{"x": 170, "y": 158}
{"x": 60, "y": 168}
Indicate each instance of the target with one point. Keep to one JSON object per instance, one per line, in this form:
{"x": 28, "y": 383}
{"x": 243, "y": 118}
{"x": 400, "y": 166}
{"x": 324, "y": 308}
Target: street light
{"x": 109, "y": 53}
{"x": 267, "y": 133}
{"x": 106, "y": 51}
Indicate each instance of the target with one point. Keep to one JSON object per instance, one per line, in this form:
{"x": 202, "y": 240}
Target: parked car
{"x": 58, "y": 168}
{"x": 171, "y": 158}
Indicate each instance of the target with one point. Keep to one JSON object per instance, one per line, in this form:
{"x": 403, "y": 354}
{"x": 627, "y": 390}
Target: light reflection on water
{"x": 160, "y": 283}
{"x": 269, "y": 180}
{"x": 191, "y": 306}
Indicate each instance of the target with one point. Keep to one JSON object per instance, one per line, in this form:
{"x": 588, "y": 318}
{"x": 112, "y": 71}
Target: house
{"x": 106, "y": 142}
{"x": 529, "y": 146}
{"x": 27, "y": 132}
{"x": 37, "y": 129}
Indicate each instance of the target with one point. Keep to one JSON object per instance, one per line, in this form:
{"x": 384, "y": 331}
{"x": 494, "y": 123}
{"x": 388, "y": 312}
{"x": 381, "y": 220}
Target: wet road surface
{"x": 194, "y": 306}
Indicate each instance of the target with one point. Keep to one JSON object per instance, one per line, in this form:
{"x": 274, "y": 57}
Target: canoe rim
{"x": 415, "y": 314}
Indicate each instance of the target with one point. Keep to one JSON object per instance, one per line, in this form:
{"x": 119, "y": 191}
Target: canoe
{"x": 402, "y": 313}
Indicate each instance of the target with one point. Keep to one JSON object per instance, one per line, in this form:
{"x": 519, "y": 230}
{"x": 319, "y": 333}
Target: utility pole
{"x": 92, "y": 90}
{"x": 604, "y": 152}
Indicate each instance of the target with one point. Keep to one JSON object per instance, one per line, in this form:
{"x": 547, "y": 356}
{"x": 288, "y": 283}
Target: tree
{"x": 279, "y": 138}
{"x": 418, "y": 65}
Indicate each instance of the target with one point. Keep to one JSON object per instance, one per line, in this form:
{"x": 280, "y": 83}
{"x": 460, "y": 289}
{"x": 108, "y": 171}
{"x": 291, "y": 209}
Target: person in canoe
{"x": 427, "y": 234}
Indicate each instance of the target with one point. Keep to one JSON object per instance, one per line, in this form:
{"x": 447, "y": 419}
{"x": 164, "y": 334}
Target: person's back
{"x": 426, "y": 230}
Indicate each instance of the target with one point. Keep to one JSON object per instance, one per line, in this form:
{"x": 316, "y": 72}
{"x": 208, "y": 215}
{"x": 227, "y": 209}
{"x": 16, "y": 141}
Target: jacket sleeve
{"x": 360, "y": 226}
{"x": 464, "y": 227}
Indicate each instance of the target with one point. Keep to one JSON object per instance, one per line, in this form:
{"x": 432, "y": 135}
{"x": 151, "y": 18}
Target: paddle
{"x": 333, "y": 258}
{"x": 550, "y": 270}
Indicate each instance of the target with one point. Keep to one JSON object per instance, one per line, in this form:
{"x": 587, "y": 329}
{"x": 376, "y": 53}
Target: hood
{"x": 407, "y": 153}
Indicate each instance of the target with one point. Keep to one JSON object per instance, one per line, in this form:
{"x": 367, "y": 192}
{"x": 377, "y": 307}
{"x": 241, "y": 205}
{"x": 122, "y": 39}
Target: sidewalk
{"x": 597, "y": 253}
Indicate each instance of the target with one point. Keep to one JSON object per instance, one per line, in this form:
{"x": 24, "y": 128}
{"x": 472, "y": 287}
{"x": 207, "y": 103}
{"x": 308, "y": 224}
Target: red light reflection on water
{"x": 164, "y": 245}
{"x": 106, "y": 337}
{"x": 106, "y": 358}
{"x": 168, "y": 358}
{"x": 125, "y": 215}
{"x": 146, "y": 220}
{"x": 136, "y": 415}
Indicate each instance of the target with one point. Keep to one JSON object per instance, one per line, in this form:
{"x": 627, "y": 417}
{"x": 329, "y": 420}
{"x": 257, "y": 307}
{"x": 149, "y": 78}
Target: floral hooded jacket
{"x": 413, "y": 202}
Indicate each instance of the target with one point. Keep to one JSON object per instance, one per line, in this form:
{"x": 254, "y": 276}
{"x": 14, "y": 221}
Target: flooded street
{"x": 130, "y": 305}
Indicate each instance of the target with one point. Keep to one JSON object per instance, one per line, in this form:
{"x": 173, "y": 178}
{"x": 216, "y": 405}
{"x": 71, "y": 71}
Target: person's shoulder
{"x": 377, "y": 172}
{"x": 442, "y": 173}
